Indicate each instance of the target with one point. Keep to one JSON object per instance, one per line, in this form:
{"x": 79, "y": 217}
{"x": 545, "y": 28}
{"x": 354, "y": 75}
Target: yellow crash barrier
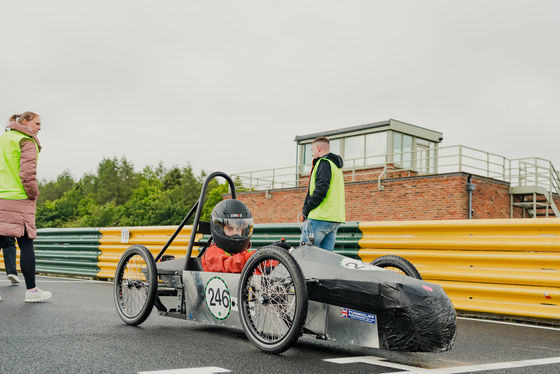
{"x": 115, "y": 241}
{"x": 492, "y": 266}
{"x": 522, "y": 235}
{"x": 520, "y": 301}
{"x": 489, "y": 267}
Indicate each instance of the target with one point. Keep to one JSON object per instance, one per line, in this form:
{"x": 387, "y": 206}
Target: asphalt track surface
{"x": 79, "y": 331}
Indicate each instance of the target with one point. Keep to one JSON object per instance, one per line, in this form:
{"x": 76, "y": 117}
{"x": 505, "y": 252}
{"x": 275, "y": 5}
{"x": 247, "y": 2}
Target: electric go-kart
{"x": 281, "y": 295}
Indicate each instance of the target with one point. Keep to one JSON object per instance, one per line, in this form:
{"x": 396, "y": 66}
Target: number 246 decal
{"x": 218, "y": 299}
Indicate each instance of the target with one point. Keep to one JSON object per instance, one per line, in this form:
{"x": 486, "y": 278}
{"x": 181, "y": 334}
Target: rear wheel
{"x": 273, "y": 300}
{"x": 135, "y": 285}
{"x": 397, "y": 264}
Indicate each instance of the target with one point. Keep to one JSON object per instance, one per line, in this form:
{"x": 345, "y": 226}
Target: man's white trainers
{"x": 37, "y": 296}
{"x": 13, "y": 278}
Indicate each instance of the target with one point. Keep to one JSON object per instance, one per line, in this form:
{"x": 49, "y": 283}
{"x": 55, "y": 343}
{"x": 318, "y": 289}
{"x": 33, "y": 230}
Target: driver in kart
{"x": 231, "y": 224}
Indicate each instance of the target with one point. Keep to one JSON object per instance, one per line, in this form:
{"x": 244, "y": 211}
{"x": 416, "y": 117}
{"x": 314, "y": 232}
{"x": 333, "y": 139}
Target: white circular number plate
{"x": 218, "y": 299}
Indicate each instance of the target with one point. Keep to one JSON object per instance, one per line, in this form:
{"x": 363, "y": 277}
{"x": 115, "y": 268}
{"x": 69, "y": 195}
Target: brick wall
{"x": 282, "y": 206}
{"x": 491, "y": 199}
{"x": 366, "y": 174}
{"x": 435, "y": 197}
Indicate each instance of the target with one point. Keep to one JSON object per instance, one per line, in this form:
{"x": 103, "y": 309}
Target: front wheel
{"x": 398, "y": 265}
{"x": 273, "y": 300}
{"x": 135, "y": 285}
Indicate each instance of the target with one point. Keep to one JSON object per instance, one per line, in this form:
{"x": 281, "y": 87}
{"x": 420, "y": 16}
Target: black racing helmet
{"x": 231, "y": 223}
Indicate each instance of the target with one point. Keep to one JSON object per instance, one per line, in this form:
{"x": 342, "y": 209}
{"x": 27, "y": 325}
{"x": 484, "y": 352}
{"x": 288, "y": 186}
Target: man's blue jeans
{"x": 324, "y": 233}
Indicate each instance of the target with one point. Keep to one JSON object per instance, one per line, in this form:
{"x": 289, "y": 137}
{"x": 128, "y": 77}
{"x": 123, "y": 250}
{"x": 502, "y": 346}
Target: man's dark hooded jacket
{"x": 322, "y": 182}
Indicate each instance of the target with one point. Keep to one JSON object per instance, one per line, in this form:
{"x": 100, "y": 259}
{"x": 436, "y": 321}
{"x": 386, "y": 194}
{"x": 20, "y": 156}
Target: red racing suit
{"x": 217, "y": 260}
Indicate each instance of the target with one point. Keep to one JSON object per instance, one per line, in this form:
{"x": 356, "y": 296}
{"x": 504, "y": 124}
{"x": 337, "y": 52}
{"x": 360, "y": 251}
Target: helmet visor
{"x": 242, "y": 227}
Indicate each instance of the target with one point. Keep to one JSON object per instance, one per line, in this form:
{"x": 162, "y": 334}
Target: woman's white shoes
{"x": 13, "y": 278}
{"x": 37, "y": 296}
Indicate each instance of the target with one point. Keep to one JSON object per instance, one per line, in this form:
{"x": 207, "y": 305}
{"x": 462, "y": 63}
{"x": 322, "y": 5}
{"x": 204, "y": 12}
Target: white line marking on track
{"x": 449, "y": 370}
{"x": 372, "y": 360}
{"x": 495, "y": 366}
{"x": 205, "y": 370}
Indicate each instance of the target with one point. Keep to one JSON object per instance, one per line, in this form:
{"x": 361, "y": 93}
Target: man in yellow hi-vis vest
{"x": 324, "y": 207}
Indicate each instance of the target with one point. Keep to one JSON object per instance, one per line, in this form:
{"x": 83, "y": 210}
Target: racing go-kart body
{"x": 282, "y": 295}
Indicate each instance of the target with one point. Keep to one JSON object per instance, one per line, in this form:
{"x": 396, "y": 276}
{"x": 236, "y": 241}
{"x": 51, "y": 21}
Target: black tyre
{"x": 135, "y": 285}
{"x": 272, "y": 300}
{"x": 397, "y": 264}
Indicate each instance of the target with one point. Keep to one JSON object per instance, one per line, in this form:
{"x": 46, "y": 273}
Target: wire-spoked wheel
{"x": 273, "y": 299}
{"x": 135, "y": 285}
{"x": 398, "y": 265}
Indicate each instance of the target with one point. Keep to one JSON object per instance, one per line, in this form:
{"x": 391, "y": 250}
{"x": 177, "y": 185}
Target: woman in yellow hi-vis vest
{"x": 19, "y": 150}
{"x": 324, "y": 206}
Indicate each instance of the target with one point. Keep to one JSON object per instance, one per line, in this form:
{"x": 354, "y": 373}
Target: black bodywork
{"x": 413, "y": 315}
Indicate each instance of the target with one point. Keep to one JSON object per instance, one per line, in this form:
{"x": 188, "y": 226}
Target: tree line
{"x": 116, "y": 195}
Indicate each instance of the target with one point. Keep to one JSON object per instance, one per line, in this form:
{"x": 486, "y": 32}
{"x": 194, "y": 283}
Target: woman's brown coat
{"x": 18, "y": 216}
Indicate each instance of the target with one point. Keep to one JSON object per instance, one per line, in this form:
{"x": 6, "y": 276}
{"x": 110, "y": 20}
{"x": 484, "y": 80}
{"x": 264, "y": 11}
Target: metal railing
{"x": 533, "y": 171}
{"x": 269, "y": 179}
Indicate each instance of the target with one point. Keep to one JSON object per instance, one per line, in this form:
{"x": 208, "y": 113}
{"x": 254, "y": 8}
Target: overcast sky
{"x": 227, "y": 85}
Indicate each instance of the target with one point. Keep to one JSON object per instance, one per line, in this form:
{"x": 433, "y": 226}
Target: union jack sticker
{"x": 358, "y": 316}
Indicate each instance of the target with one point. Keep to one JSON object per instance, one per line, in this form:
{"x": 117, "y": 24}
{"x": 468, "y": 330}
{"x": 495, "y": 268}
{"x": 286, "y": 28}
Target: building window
{"x": 426, "y": 156}
{"x": 306, "y": 158}
{"x": 354, "y": 149}
{"x": 364, "y": 150}
{"x": 402, "y": 150}
{"x": 376, "y": 148}
{"x": 307, "y": 155}
{"x": 335, "y": 146}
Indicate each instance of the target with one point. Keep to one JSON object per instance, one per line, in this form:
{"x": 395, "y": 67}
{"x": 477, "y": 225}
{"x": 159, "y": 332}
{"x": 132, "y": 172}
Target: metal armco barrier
{"x": 96, "y": 252}
{"x": 67, "y": 251}
{"x": 347, "y": 237}
{"x": 115, "y": 241}
{"x": 505, "y": 267}
{"x": 509, "y": 267}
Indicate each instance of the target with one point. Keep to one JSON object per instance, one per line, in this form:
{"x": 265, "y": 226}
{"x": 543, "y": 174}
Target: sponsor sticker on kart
{"x": 358, "y": 316}
{"x": 218, "y": 299}
{"x": 352, "y": 264}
